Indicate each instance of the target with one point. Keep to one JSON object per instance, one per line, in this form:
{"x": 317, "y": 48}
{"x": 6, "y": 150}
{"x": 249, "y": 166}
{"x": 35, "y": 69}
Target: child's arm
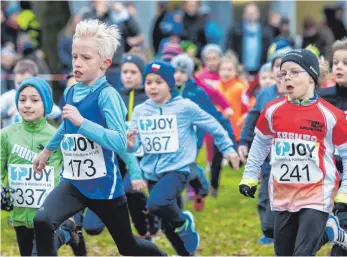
{"x": 209, "y": 124}
{"x": 339, "y": 136}
{"x": 54, "y": 144}
{"x": 134, "y": 140}
{"x": 114, "y": 136}
{"x": 132, "y": 163}
{"x": 3, "y": 159}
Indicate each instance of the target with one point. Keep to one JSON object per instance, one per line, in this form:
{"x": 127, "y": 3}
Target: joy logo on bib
{"x": 30, "y": 188}
{"x": 159, "y": 134}
{"x": 295, "y": 161}
{"x": 83, "y": 158}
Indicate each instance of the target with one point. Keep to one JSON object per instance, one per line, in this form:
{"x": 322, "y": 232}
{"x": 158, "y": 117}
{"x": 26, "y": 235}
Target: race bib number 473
{"x": 295, "y": 161}
{"x": 30, "y": 188}
{"x": 159, "y": 134}
{"x": 83, "y": 158}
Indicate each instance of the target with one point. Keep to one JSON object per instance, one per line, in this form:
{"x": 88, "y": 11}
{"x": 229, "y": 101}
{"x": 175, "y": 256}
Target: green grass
{"x": 229, "y": 225}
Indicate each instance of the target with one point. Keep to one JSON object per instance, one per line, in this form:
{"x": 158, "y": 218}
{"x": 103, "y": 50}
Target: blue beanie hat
{"x": 44, "y": 90}
{"x": 12, "y": 8}
{"x": 138, "y": 61}
{"x": 164, "y": 70}
{"x": 278, "y": 49}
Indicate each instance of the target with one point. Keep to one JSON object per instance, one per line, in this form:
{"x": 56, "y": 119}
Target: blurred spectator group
{"x": 188, "y": 27}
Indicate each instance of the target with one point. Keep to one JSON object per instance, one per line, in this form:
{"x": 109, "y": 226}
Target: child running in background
{"x": 164, "y": 126}
{"x": 20, "y": 144}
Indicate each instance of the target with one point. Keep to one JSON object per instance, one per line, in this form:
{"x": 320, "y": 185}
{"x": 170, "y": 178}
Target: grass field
{"x": 228, "y": 226}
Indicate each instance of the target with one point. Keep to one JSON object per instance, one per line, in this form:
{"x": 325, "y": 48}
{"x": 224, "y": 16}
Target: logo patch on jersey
{"x": 24, "y": 153}
{"x": 312, "y": 125}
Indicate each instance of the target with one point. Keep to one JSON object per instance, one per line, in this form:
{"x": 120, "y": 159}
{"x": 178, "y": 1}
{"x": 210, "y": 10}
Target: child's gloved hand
{"x": 248, "y": 187}
{"x": 6, "y": 199}
{"x": 340, "y": 203}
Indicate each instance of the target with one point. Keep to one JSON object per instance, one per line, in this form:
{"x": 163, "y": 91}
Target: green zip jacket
{"x": 20, "y": 144}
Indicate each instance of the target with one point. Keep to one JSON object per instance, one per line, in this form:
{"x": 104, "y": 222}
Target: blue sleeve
{"x": 132, "y": 164}
{"x": 247, "y": 133}
{"x": 207, "y": 123}
{"x": 54, "y": 144}
{"x": 133, "y": 126}
{"x": 114, "y": 136}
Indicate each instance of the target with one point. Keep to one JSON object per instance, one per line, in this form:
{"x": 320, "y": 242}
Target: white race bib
{"x": 159, "y": 134}
{"x": 139, "y": 152}
{"x": 83, "y": 158}
{"x": 31, "y": 188}
{"x": 295, "y": 161}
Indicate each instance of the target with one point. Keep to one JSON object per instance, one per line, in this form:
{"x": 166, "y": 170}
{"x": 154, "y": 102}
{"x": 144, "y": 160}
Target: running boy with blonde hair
{"x": 92, "y": 135}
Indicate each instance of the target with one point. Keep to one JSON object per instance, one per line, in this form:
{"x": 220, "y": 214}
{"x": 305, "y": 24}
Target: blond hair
{"x": 230, "y": 56}
{"x": 324, "y": 72}
{"x": 106, "y": 36}
{"x": 340, "y": 45}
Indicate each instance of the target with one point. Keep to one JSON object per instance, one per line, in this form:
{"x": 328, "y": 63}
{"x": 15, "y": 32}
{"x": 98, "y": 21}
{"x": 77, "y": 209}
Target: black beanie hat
{"x": 306, "y": 59}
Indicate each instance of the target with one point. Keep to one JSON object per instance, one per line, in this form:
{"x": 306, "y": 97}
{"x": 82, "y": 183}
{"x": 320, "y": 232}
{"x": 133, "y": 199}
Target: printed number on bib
{"x": 159, "y": 134}
{"x": 139, "y": 152}
{"x": 83, "y": 158}
{"x": 30, "y": 188}
{"x": 295, "y": 161}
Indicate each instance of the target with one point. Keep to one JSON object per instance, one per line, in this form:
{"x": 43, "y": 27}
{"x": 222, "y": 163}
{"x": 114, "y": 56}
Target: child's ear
{"x": 107, "y": 63}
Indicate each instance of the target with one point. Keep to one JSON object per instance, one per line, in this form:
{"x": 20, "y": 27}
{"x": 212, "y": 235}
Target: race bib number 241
{"x": 295, "y": 161}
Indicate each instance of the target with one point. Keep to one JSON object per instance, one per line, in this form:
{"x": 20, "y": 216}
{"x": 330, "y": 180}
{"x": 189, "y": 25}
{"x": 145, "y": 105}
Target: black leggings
{"x": 66, "y": 200}
{"x": 216, "y": 167}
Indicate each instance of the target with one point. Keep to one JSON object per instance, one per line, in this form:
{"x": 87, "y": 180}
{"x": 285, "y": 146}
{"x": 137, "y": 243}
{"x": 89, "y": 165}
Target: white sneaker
{"x": 335, "y": 233}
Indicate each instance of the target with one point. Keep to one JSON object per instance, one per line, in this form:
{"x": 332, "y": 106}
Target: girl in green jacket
{"x": 20, "y": 144}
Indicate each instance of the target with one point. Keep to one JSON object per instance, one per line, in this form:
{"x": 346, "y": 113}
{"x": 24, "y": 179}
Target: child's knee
{"x": 43, "y": 221}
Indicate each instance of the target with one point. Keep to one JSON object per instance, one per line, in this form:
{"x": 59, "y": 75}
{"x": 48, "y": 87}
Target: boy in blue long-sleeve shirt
{"x": 92, "y": 135}
{"x": 164, "y": 126}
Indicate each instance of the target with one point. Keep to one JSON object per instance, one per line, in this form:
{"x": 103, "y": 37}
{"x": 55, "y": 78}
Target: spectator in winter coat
{"x": 250, "y": 40}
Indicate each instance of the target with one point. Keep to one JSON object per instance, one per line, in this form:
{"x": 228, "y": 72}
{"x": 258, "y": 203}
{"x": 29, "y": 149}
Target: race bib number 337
{"x": 159, "y": 134}
{"x": 295, "y": 161}
{"x": 30, "y": 188}
{"x": 83, "y": 158}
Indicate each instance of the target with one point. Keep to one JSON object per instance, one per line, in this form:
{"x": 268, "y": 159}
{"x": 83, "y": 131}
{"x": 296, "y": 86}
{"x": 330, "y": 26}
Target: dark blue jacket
{"x": 263, "y": 98}
{"x": 198, "y": 95}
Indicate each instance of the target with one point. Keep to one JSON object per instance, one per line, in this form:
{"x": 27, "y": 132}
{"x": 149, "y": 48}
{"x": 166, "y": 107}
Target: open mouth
{"x": 289, "y": 88}
{"x": 78, "y": 74}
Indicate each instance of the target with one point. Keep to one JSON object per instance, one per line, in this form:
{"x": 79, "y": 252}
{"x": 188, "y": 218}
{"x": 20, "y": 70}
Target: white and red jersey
{"x": 303, "y": 173}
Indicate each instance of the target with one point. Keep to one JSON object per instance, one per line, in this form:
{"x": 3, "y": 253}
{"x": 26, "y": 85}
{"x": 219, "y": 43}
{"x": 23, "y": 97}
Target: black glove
{"x": 6, "y": 199}
{"x": 339, "y": 207}
{"x": 247, "y": 190}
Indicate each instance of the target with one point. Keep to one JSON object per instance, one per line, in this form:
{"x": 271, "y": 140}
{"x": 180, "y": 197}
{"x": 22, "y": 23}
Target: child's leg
{"x": 310, "y": 231}
{"x": 162, "y": 200}
{"x": 63, "y": 202}
{"x": 209, "y": 148}
{"x": 285, "y": 230}
{"x": 92, "y": 224}
{"x": 137, "y": 204}
{"x": 215, "y": 170}
{"x": 25, "y": 237}
{"x": 115, "y": 215}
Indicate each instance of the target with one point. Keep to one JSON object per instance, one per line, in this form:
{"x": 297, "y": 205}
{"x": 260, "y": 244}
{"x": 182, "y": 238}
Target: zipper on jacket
{"x": 159, "y": 155}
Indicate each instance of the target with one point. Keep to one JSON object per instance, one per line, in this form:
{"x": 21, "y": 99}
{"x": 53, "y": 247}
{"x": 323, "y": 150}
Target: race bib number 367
{"x": 295, "y": 161}
{"x": 159, "y": 134}
{"x": 83, "y": 158}
{"x": 30, "y": 188}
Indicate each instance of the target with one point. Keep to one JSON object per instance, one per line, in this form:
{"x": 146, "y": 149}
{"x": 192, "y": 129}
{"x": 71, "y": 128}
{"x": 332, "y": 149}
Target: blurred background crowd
{"x": 43, "y": 31}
